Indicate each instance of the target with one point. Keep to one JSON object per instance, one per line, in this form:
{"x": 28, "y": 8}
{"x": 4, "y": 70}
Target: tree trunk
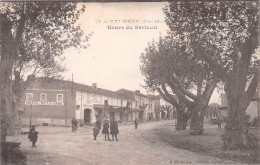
{"x": 5, "y": 97}
{"x": 197, "y": 118}
{"x": 182, "y": 118}
{"x": 238, "y": 100}
{"x": 8, "y": 50}
{"x": 232, "y": 136}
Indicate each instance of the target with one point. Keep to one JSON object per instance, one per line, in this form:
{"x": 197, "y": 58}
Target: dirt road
{"x": 61, "y": 146}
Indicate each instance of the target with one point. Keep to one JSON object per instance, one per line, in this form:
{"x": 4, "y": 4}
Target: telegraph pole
{"x": 104, "y": 111}
{"x": 66, "y": 108}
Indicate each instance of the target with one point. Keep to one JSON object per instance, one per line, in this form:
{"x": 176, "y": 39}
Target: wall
{"x": 85, "y": 100}
{"x": 252, "y": 110}
{"x": 44, "y": 111}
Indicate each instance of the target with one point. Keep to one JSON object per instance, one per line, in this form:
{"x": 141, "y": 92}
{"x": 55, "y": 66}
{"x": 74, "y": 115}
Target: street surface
{"x": 58, "y": 145}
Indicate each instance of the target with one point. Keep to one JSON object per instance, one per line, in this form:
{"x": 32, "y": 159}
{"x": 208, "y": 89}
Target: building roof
{"x": 127, "y": 93}
{"x": 45, "y": 82}
{"x": 155, "y": 96}
{"x": 214, "y": 105}
{"x": 131, "y": 94}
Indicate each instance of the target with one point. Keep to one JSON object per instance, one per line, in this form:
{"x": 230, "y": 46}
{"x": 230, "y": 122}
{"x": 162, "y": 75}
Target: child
{"x": 95, "y": 131}
{"x": 74, "y": 124}
{"x": 114, "y": 129}
{"x": 106, "y": 130}
{"x": 33, "y": 136}
{"x": 136, "y": 123}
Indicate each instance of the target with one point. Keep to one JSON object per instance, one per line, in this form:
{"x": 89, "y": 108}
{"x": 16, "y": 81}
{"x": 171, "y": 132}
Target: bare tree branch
{"x": 199, "y": 86}
{"x": 179, "y": 94}
{"x": 20, "y": 27}
{"x": 209, "y": 89}
{"x": 181, "y": 88}
{"x": 168, "y": 97}
{"x": 201, "y": 52}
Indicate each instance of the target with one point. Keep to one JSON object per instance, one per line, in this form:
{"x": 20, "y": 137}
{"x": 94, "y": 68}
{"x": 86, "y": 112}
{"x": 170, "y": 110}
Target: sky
{"x": 112, "y": 59}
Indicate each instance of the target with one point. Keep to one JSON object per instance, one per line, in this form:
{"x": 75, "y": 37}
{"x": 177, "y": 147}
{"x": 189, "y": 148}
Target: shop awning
{"x": 222, "y": 108}
{"x": 110, "y": 107}
{"x": 137, "y": 109}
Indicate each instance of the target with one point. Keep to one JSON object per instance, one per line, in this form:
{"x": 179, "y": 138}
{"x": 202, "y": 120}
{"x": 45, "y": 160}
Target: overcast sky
{"x": 112, "y": 59}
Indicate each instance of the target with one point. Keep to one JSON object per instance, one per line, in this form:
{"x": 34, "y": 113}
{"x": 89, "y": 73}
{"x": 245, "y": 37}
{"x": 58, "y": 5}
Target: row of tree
{"x": 209, "y": 44}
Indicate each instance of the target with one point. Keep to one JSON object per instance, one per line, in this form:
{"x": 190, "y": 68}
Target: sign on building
{"x": 94, "y": 99}
{"x": 44, "y": 103}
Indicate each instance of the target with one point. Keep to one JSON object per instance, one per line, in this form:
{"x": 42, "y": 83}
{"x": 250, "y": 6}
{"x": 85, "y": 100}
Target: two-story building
{"x": 90, "y": 104}
{"x": 143, "y": 104}
{"x": 56, "y": 102}
{"x": 161, "y": 107}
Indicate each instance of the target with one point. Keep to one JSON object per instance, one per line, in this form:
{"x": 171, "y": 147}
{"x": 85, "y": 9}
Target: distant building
{"x": 56, "y": 102}
{"x": 161, "y": 106}
{"x": 213, "y": 111}
{"x": 143, "y": 104}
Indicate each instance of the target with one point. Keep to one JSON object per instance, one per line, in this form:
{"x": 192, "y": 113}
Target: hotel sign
{"x": 44, "y": 103}
{"x": 94, "y": 98}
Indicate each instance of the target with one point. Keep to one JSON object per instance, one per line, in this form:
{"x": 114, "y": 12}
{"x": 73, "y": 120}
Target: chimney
{"x": 137, "y": 91}
{"x": 94, "y": 85}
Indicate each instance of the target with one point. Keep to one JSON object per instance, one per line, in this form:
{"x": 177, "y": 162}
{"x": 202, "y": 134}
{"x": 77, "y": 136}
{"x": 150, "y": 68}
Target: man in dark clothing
{"x": 114, "y": 129}
{"x": 106, "y": 130}
{"x": 95, "y": 131}
{"x": 98, "y": 124}
{"x": 136, "y": 123}
{"x": 33, "y": 136}
{"x": 219, "y": 122}
{"x": 74, "y": 124}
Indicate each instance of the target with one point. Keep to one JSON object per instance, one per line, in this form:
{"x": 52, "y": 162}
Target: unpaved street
{"x": 58, "y": 145}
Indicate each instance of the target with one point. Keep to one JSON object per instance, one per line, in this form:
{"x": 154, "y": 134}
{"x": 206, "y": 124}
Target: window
{"x": 43, "y": 97}
{"x": 59, "y": 98}
{"x": 29, "y": 98}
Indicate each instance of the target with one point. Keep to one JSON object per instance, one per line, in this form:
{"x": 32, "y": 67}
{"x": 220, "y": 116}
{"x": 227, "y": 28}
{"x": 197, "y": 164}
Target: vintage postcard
{"x": 129, "y": 83}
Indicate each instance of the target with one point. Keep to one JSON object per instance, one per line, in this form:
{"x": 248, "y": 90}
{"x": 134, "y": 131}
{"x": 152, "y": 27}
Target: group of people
{"x": 113, "y": 126}
{"x": 113, "y": 129}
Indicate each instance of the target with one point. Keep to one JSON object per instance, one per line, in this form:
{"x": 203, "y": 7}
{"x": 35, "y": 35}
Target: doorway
{"x": 112, "y": 115}
{"x": 87, "y": 116}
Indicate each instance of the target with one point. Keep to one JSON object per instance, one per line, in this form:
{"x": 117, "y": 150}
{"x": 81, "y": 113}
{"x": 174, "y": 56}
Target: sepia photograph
{"x": 129, "y": 82}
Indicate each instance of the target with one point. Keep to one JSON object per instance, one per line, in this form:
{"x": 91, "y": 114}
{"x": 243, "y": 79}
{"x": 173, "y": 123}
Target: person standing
{"x": 106, "y": 130}
{"x": 98, "y": 124}
{"x": 114, "y": 129}
{"x": 219, "y": 122}
{"x": 33, "y": 136}
{"x": 136, "y": 123}
{"x": 95, "y": 131}
{"x": 74, "y": 124}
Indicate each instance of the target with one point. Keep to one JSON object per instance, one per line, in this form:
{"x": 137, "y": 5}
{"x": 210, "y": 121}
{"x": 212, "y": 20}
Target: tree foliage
{"x": 225, "y": 36}
{"x": 218, "y": 27}
{"x": 33, "y": 37}
{"x": 171, "y": 68}
{"x": 42, "y": 31}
